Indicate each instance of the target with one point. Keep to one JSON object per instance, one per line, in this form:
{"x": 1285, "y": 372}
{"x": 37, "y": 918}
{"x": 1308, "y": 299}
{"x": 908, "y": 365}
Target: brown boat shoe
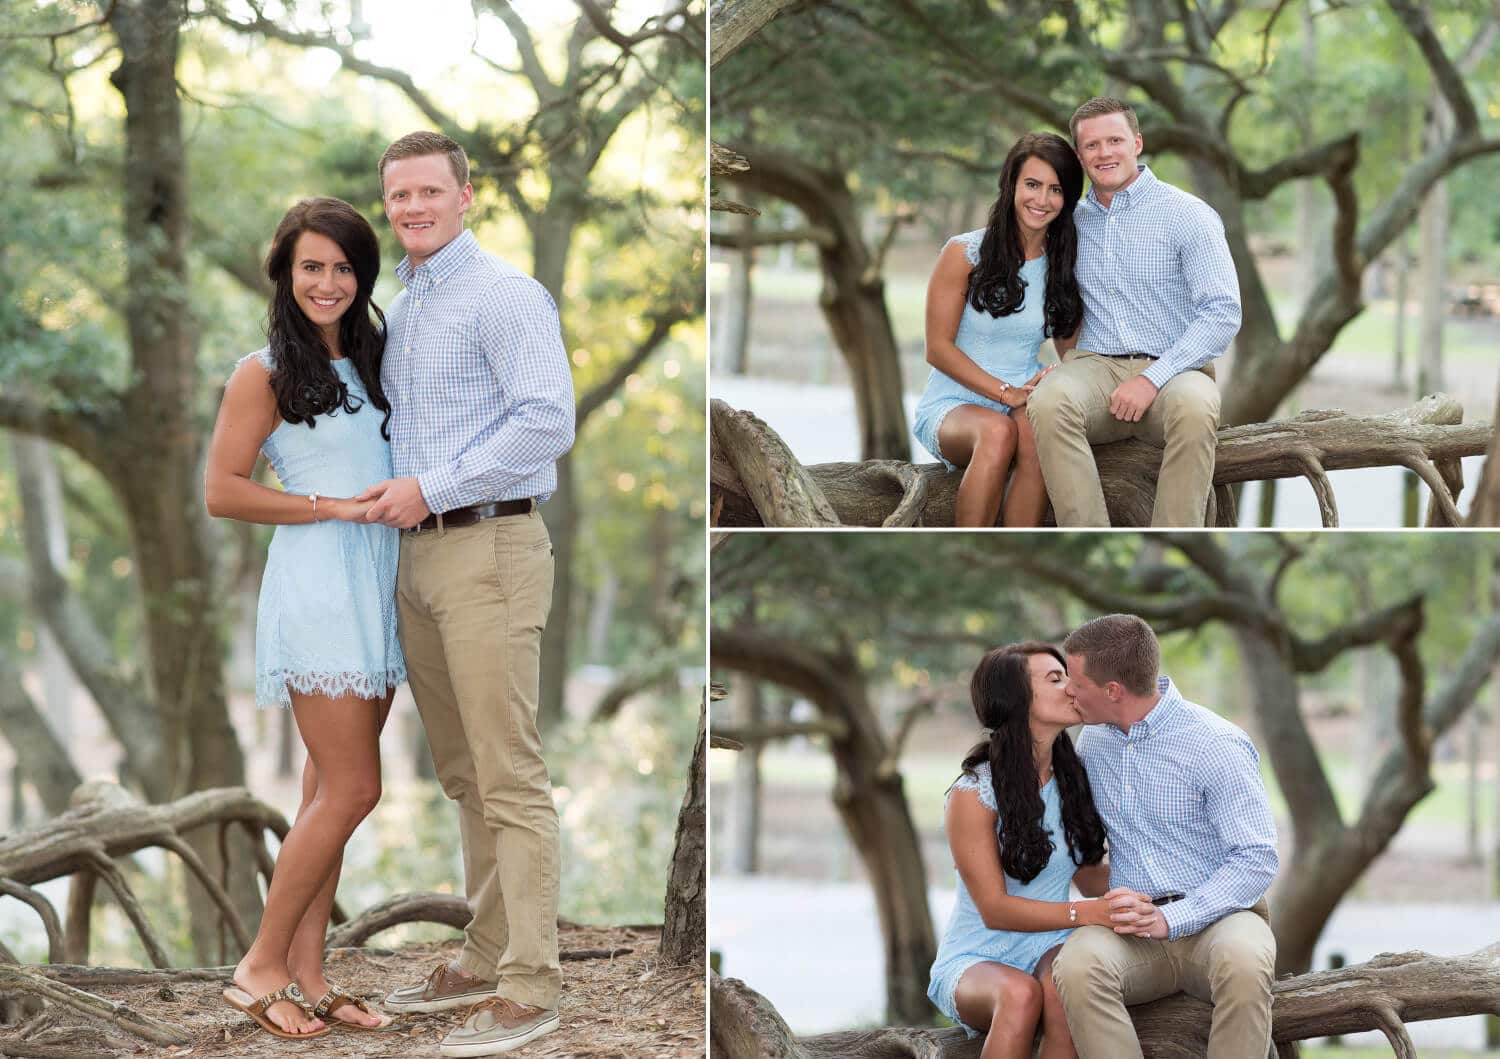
{"x": 497, "y": 1025}
{"x": 448, "y": 986}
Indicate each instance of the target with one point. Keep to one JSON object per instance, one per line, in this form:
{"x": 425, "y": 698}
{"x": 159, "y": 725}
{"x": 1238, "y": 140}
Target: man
{"x": 1192, "y": 852}
{"x": 482, "y": 407}
{"x": 1160, "y": 302}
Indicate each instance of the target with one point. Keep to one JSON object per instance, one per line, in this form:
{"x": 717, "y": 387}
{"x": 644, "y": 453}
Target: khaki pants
{"x": 1231, "y": 965}
{"x": 1070, "y": 411}
{"x": 472, "y": 604}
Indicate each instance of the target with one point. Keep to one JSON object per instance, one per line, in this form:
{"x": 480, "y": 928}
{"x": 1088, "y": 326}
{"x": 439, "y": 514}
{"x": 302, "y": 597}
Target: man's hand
{"x": 1133, "y": 913}
{"x": 1131, "y": 399}
{"x": 397, "y": 502}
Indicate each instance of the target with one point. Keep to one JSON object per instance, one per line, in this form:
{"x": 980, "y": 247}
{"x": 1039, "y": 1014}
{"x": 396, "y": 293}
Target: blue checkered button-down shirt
{"x": 1156, "y": 277}
{"x": 478, "y": 380}
{"x": 1181, "y": 797}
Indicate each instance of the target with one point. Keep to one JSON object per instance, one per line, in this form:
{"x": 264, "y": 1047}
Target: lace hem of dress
{"x": 274, "y": 689}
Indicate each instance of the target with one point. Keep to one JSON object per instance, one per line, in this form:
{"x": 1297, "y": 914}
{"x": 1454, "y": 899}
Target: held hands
{"x": 1131, "y": 398}
{"x": 395, "y": 502}
{"x": 342, "y": 509}
{"x": 1133, "y": 913}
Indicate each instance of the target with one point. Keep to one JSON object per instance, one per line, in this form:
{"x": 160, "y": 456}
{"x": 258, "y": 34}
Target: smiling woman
{"x": 995, "y": 295}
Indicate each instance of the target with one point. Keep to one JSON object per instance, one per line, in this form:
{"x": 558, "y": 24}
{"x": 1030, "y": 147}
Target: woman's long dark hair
{"x": 1001, "y": 691}
{"x": 303, "y": 378}
{"x": 995, "y": 284}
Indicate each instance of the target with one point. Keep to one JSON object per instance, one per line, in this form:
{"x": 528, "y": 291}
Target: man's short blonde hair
{"x": 417, "y": 144}
{"x": 1097, "y": 108}
{"x": 1118, "y": 647}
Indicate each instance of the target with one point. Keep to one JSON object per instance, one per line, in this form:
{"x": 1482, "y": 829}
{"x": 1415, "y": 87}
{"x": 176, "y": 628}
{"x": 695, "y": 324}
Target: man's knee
{"x": 1086, "y": 961}
{"x": 1243, "y": 962}
{"x": 1055, "y": 406}
{"x": 1190, "y": 402}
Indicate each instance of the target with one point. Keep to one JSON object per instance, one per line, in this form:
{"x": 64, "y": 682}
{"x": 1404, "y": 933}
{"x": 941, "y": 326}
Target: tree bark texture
{"x": 869, "y": 796}
{"x": 685, "y": 926}
{"x": 853, "y": 295}
{"x": 1383, "y": 994}
{"x": 760, "y": 482}
{"x": 153, "y": 459}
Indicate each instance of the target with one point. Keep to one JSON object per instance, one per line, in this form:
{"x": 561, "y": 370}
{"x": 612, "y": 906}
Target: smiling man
{"x": 481, "y": 409}
{"x": 1160, "y": 302}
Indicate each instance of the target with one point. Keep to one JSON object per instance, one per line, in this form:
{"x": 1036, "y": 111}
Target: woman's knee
{"x": 995, "y": 438}
{"x": 1018, "y": 1000}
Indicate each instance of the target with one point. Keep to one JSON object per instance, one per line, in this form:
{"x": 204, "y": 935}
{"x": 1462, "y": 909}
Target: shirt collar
{"x": 442, "y": 264}
{"x": 1167, "y": 707}
{"x": 1127, "y": 196}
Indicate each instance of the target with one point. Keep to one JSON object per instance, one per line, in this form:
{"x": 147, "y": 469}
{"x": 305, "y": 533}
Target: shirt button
{"x": 406, "y": 348}
{"x": 1127, "y": 788}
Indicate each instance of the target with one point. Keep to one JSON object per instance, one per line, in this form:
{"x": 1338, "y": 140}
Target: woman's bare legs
{"x": 983, "y": 442}
{"x": 1057, "y": 1040}
{"x": 342, "y": 740}
{"x": 305, "y": 957}
{"x": 1026, "y": 502}
{"x": 1003, "y": 1001}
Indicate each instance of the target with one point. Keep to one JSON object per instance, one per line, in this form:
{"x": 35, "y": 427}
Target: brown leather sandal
{"x": 256, "y": 1009}
{"x": 337, "y": 998}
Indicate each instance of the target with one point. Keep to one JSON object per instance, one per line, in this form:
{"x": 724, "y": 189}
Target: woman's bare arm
{"x": 247, "y": 417}
{"x": 945, "y": 307}
{"x": 971, "y": 836}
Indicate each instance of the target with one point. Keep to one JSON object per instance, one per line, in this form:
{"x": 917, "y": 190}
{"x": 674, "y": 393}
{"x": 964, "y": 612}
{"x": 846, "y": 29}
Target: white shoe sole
{"x": 509, "y": 1044}
{"x": 422, "y": 1007}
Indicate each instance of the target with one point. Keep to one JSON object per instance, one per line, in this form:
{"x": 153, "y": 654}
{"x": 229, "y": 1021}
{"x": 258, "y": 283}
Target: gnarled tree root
{"x": 756, "y": 481}
{"x": 107, "y": 823}
{"x": 1383, "y": 994}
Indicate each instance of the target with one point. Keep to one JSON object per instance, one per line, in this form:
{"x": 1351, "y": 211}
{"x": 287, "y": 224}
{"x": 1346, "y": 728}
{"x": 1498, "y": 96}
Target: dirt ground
{"x": 628, "y": 1007}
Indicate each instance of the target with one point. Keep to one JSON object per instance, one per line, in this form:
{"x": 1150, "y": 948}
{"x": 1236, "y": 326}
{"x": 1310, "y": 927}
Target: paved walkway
{"x": 813, "y": 949}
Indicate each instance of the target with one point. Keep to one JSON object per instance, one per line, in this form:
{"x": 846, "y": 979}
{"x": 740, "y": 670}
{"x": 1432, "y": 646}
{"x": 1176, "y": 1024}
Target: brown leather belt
{"x": 467, "y": 516}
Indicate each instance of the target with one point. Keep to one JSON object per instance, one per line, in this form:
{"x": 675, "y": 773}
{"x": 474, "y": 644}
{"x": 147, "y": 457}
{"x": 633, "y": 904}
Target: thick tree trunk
{"x": 743, "y": 854}
{"x": 685, "y": 926}
{"x": 868, "y": 794}
{"x": 41, "y": 757}
{"x": 853, "y": 295}
{"x": 561, "y": 515}
{"x": 732, "y": 312}
{"x": 159, "y": 452}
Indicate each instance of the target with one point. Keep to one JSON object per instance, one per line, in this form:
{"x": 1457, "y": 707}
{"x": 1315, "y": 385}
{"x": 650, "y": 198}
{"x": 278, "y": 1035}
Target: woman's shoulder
{"x": 970, "y": 242}
{"x": 261, "y": 357}
{"x": 981, "y": 782}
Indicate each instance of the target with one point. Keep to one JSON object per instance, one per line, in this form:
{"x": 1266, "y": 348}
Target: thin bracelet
{"x": 314, "y": 498}
{"x": 1072, "y": 913}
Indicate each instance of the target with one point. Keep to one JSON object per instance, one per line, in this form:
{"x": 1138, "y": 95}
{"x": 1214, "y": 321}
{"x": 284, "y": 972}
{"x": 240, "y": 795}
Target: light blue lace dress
{"x": 1006, "y": 347}
{"x": 326, "y": 622}
{"x": 967, "y": 940}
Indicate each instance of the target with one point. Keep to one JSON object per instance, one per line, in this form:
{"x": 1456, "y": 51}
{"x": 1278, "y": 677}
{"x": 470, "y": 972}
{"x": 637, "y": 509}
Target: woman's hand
{"x": 1016, "y": 396}
{"x": 342, "y": 509}
{"x": 1039, "y": 376}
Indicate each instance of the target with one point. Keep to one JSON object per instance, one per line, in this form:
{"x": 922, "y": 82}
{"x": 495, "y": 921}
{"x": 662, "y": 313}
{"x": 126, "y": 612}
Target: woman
{"x": 984, "y": 332}
{"x": 325, "y": 640}
{"x": 1021, "y": 824}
